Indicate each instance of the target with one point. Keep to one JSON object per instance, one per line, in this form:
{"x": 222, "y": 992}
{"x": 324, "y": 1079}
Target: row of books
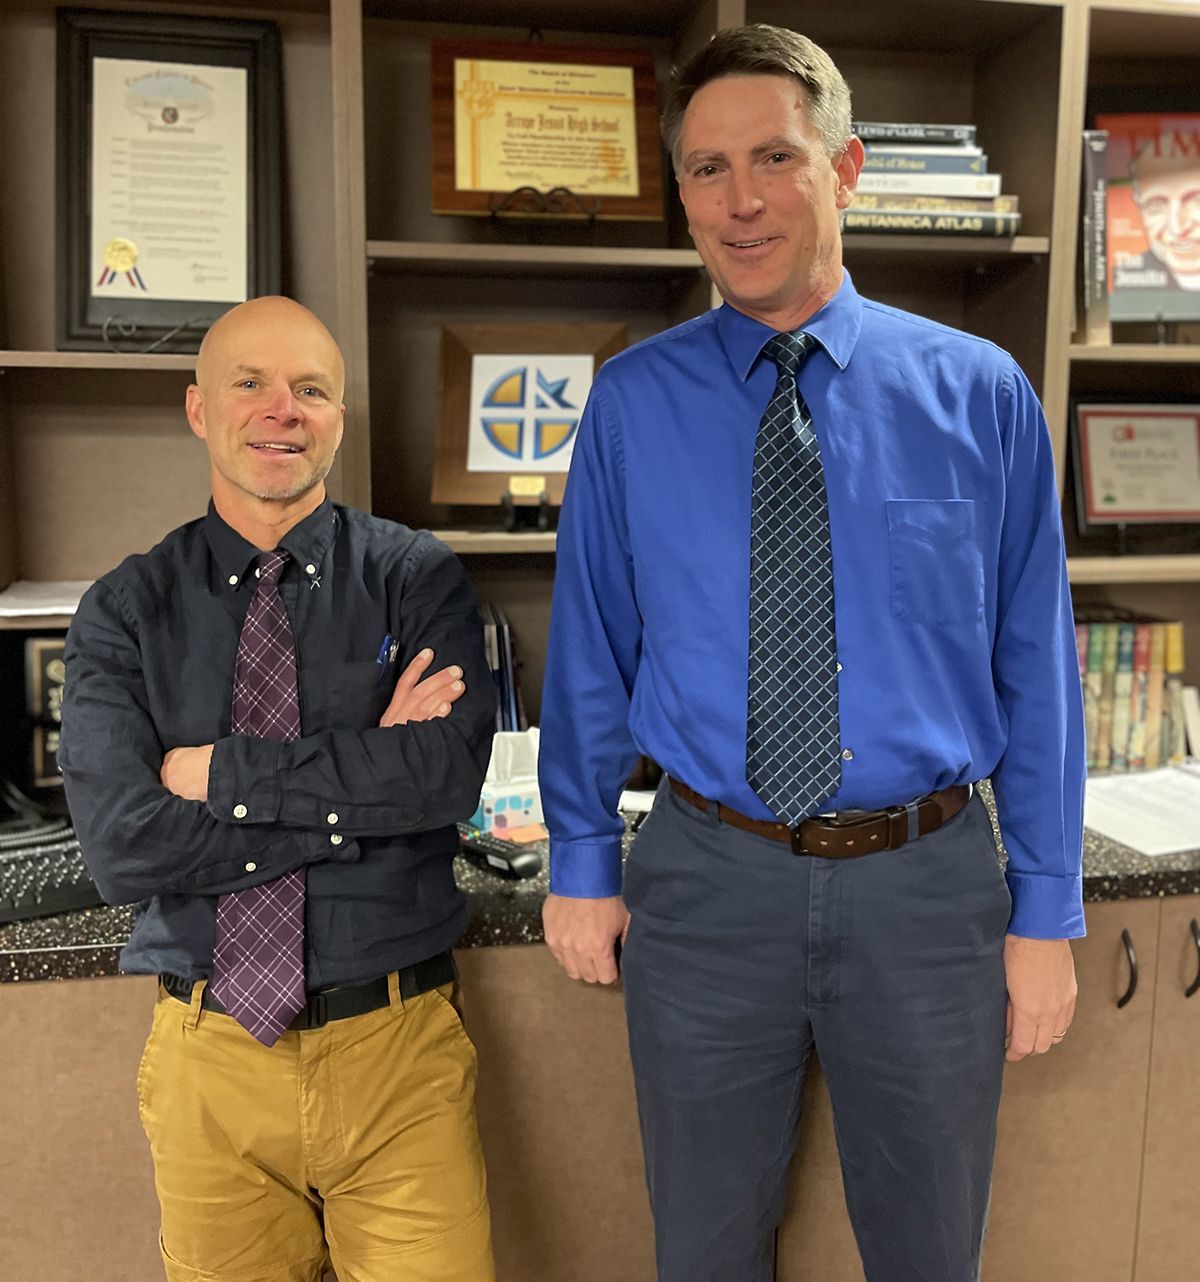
{"x": 498, "y": 645}
{"x": 1139, "y": 250}
{"x": 930, "y": 180}
{"x": 1133, "y": 702}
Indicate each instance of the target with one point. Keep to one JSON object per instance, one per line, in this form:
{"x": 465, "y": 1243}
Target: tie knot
{"x": 789, "y": 350}
{"x": 270, "y": 565}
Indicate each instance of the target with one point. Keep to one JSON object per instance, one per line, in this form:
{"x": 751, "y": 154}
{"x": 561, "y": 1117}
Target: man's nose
{"x": 282, "y": 405}
{"x": 744, "y": 198}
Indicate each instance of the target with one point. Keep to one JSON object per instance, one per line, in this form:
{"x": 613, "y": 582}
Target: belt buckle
{"x": 316, "y": 1011}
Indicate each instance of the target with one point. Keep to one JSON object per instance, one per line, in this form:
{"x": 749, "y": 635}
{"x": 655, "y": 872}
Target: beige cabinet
{"x": 1069, "y": 1147}
{"x": 1168, "y": 1243}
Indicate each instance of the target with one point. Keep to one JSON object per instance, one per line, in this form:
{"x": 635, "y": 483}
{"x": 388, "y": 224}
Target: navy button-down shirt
{"x": 953, "y": 615}
{"x": 369, "y": 811}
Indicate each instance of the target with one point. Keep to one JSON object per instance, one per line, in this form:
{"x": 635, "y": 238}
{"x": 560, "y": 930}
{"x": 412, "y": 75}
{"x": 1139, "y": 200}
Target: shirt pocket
{"x": 359, "y": 694}
{"x": 936, "y": 562}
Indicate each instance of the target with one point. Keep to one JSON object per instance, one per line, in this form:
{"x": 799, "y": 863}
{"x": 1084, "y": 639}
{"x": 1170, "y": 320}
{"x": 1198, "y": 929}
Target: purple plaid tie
{"x": 258, "y": 953}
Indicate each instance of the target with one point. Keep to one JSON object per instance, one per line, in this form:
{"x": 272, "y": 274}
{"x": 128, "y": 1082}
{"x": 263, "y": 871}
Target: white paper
{"x": 25, "y": 598}
{"x": 169, "y": 199}
{"x": 1155, "y": 812}
{"x": 1191, "y": 718}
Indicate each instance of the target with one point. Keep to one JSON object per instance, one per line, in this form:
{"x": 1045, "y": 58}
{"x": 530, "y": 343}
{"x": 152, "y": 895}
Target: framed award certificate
{"x": 543, "y": 119}
{"x": 168, "y": 175}
{"x": 1136, "y": 464}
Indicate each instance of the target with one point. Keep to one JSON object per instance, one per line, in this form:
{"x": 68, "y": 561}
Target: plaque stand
{"x": 525, "y": 516}
{"x": 558, "y": 202}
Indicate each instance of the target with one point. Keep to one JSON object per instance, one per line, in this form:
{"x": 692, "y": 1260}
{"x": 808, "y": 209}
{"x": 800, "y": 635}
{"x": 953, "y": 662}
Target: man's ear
{"x": 195, "y": 412}
{"x": 848, "y": 167}
{"x": 341, "y": 426}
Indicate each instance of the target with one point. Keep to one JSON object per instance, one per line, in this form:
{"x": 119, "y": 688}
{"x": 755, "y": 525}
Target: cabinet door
{"x": 1168, "y": 1241}
{"x": 558, "y": 1120}
{"x": 1069, "y": 1150}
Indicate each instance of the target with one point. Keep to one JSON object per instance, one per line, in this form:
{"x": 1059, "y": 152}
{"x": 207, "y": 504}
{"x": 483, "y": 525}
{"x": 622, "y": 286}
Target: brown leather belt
{"x": 857, "y": 834}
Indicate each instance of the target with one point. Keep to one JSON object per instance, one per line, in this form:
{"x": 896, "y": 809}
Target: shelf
{"x": 944, "y": 246}
{"x": 96, "y": 360}
{"x": 496, "y": 541}
{"x": 416, "y": 256}
{"x": 1138, "y": 353}
{"x": 1133, "y": 569}
{"x": 35, "y": 622}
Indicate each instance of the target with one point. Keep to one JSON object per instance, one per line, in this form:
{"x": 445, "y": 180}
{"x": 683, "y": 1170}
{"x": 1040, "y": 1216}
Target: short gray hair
{"x": 761, "y": 50}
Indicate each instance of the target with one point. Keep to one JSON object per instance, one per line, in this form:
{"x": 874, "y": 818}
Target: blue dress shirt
{"x": 953, "y": 615}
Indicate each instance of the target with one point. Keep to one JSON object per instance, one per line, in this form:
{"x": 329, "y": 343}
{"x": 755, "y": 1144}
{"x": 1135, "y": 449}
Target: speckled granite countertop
{"x": 87, "y": 943}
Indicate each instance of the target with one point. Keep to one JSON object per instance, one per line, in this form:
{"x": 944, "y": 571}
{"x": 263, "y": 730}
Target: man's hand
{"x": 1041, "y": 993}
{"x": 417, "y": 700}
{"x": 581, "y": 934}
{"x": 185, "y": 772}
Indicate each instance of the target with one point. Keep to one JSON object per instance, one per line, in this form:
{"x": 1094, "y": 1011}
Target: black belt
{"x": 341, "y": 1001}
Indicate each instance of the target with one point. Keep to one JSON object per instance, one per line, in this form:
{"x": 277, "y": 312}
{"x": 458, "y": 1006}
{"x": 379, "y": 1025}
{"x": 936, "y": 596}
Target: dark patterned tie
{"x": 793, "y": 758}
{"x": 258, "y": 952}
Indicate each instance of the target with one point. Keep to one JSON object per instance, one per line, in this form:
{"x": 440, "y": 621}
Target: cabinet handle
{"x": 1195, "y": 984}
{"x": 1127, "y": 996}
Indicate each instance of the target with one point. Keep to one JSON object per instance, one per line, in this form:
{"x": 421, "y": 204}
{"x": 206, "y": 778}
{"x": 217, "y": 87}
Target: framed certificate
{"x": 509, "y": 402}
{"x": 545, "y": 118}
{"x": 1136, "y": 463}
{"x": 168, "y": 175}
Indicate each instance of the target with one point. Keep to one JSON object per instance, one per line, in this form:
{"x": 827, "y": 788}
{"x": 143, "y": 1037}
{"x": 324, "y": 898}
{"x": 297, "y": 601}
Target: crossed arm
{"x": 416, "y": 698}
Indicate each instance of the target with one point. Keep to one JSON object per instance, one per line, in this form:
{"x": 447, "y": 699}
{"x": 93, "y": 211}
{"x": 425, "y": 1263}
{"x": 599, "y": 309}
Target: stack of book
{"x": 1131, "y": 667}
{"x": 929, "y": 180}
{"x": 498, "y": 645}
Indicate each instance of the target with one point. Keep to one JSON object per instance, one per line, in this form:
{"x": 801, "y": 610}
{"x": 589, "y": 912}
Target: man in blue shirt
{"x": 810, "y": 560}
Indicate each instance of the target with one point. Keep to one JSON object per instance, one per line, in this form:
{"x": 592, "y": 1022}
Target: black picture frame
{"x": 86, "y": 34}
{"x": 1149, "y": 533}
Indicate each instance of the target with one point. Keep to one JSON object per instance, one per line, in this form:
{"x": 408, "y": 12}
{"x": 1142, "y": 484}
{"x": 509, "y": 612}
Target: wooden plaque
{"x": 545, "y": 134}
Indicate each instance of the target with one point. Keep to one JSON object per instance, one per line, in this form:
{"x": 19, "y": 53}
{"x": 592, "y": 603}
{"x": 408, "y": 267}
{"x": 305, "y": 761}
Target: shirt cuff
{"x": 1046, "y": 907}
{"x": 585, "y": 869}
{"x": 243, "y": 783}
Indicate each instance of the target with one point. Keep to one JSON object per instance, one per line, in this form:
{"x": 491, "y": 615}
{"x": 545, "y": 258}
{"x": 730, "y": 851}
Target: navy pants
{"x": 741, "y": 959}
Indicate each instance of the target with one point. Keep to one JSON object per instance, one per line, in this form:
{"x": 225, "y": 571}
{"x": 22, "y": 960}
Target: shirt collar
{"x": 307, "y": 542}
{"x": 835, "y": 327}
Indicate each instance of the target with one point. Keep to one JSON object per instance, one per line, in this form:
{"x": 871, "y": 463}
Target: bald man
{"x": 273, "y": 720}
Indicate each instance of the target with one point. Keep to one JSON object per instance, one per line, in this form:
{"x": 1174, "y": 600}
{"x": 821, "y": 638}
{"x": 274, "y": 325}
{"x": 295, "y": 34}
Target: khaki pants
{"x": 355, "y": 1141}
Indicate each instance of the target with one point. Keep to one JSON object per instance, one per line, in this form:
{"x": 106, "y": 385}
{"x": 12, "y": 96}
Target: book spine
{"x": 1108, "y": 678}
{"x": 1094, "y": 231}
{"x": 915, "y": 161}
{"x": 1138, "y": 692}
{"x": 943, "y": 204}
{"x": 1122, "y": 691}
{"x": 1174, "y": 737}
{"x": 914, "y": 223}
{"x": 932, "y": 184}
{"x": 1155, "y": 681}
{"x": 1091, "y": 690}
{"x": 879, "y": 131}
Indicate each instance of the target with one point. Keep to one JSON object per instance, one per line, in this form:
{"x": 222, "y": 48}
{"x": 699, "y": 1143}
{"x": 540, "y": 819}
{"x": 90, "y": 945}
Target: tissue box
{"x": 510, "y": 796}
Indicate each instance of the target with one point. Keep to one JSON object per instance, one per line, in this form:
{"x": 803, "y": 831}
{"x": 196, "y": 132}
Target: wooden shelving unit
{"x": 1133, "y": 569}
{"x": 502, "y": 260}
{"x": 99, "y": 361}
{"x": 1136, "y": 354}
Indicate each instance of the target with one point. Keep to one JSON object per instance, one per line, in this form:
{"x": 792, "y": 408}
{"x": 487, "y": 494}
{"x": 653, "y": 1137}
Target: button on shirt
{"x": 150, "y": 661}
{"x": 955, "y": 639}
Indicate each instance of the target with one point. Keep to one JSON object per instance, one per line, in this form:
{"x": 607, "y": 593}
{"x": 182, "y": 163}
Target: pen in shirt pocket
{"x": 386, "y": 656}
